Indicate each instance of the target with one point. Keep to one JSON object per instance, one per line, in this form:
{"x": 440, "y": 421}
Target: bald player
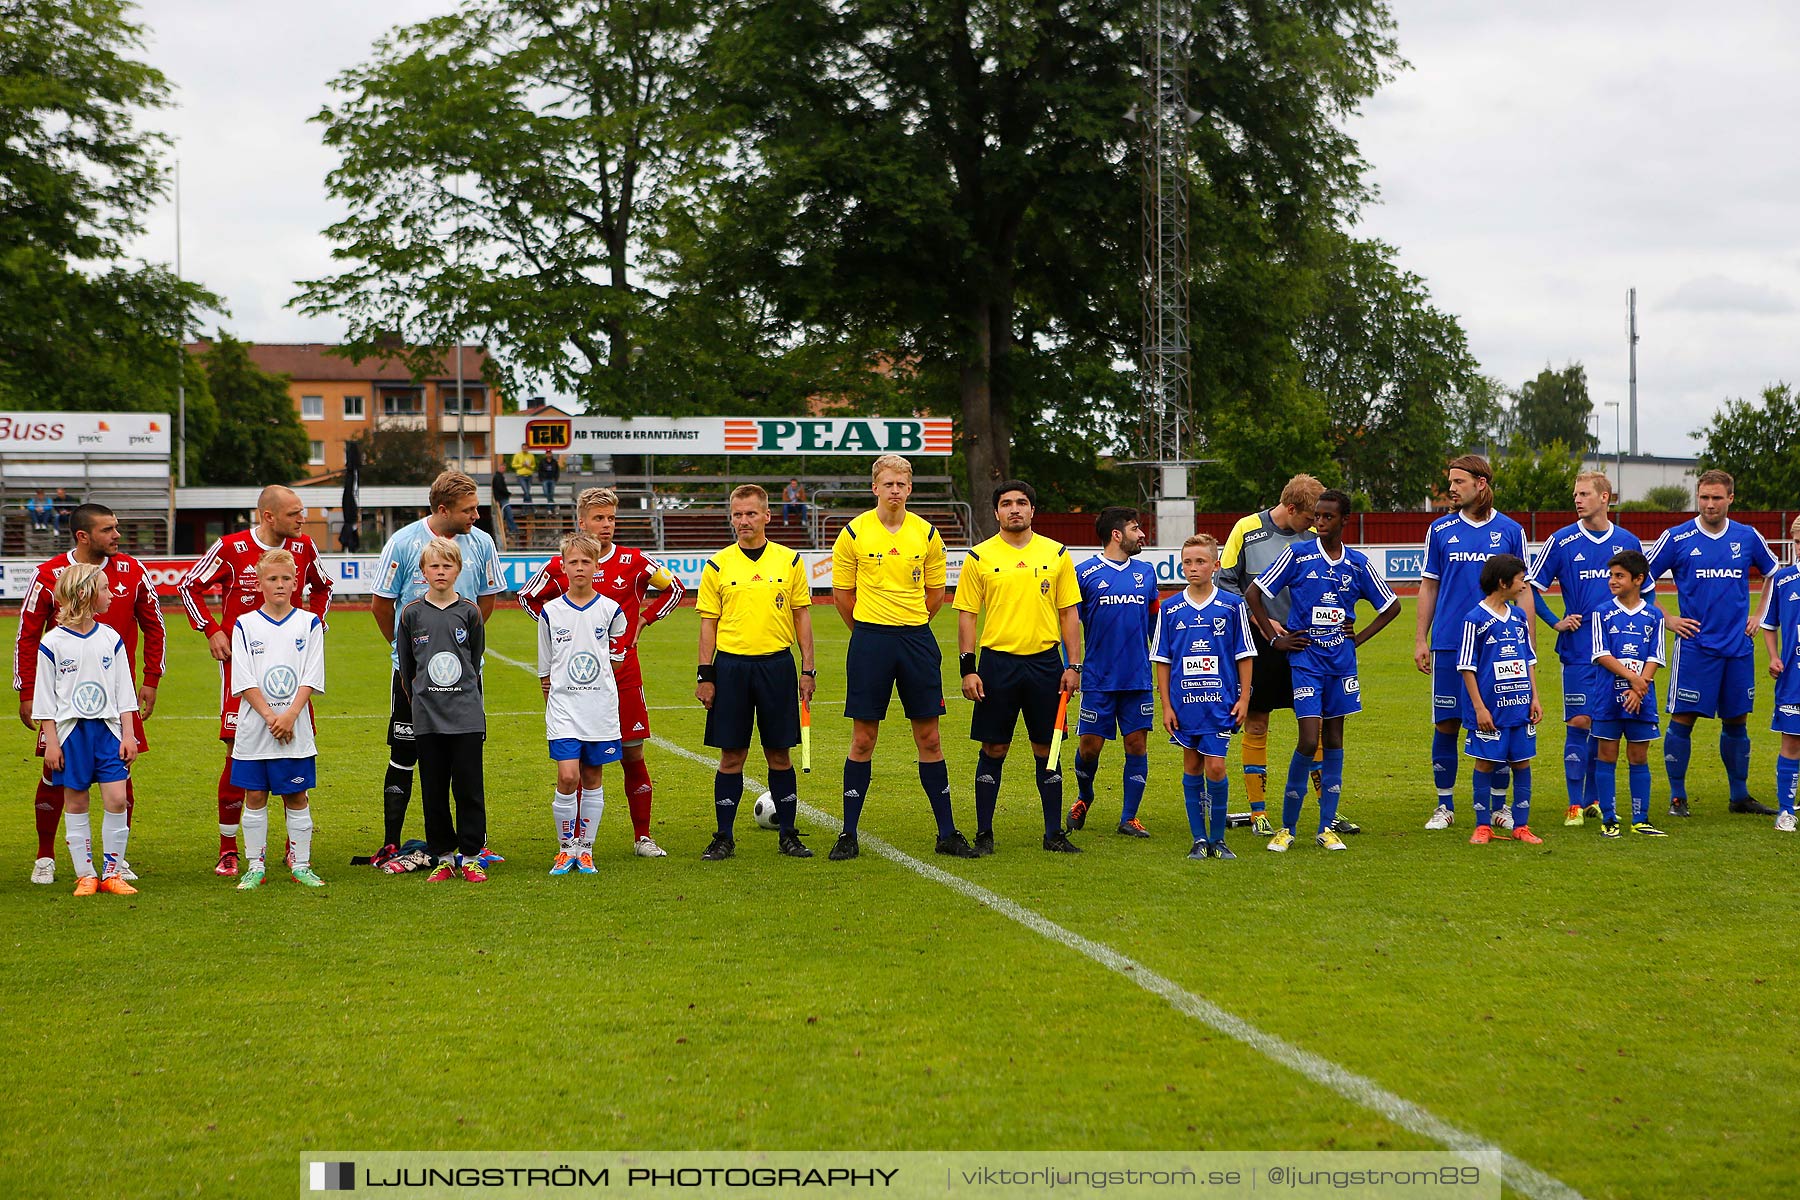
{"x": 230, "y": 567}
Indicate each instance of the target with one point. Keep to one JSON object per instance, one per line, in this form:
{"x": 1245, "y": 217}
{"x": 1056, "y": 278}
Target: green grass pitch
{"x": 1620, "y": 1015}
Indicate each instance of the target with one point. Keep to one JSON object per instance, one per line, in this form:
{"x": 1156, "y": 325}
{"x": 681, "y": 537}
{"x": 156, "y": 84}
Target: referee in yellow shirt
{"x": 887, "y": 580}
{"x": 1025, "y": 586}
{"x": 755, "y": 604}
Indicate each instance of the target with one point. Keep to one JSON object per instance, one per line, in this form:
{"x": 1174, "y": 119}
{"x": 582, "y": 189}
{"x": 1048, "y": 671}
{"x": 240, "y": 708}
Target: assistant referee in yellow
{"x": 1024, "y": 586}
{"x": 755, "y": 605}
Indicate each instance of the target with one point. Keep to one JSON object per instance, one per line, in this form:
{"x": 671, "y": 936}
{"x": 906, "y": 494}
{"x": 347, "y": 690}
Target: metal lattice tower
{"x": 1167, "y": 408}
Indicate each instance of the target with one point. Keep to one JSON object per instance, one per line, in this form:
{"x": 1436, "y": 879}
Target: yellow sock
{"x": 1256, "y": 768}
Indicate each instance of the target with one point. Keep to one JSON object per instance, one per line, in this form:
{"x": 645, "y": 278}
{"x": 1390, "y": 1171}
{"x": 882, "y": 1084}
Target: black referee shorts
{"x": 759, "y": 689}
{"x": 885, "y": 657}
{"x": 400, "y": 717}
{"x": 1271, "y": 681}
{"x": 1015, "y": 685}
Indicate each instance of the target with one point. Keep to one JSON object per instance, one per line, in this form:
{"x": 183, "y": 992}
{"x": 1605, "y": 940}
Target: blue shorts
{"x": 883, "y": 658}
{"x": 1126, "y": 712}
{"x": 276, "y": 776}
{"x": 591, "y": 754}
{"x": 90, "y": 756}
{"x": 1510, "y": 744}
{"x": 1326, "y": 695}
{"x": 1786, "y": 719}
{"x": 1584, "y": 685}
{"x": 1204, "y": 741}
{"x": 1449, "y": 699}
{"x": 1632, "y": 729}
{"x": 1710, "y": 685}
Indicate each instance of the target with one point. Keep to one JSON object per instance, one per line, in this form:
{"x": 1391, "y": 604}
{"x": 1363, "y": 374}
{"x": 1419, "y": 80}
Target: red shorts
{"x": 143, "y": 737}
{"x": 634, "y": 713}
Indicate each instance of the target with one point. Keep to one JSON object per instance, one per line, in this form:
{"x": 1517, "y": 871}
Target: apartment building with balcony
{"x": 337, "y": 400}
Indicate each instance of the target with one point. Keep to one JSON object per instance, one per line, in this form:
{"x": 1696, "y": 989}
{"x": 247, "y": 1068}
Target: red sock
{"x": 49, "y": 806}
{"x": 637, "y": 794}
{"x": 231, "y": 809}
{"x": 130, "y": 803}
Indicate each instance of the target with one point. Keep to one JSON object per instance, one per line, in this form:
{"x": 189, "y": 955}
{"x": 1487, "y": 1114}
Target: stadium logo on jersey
{"x": 584, "y": 668}
{"x": 281, "y": 683}
{"x": 444, "y": 669}
{"x": 90, "y": 699}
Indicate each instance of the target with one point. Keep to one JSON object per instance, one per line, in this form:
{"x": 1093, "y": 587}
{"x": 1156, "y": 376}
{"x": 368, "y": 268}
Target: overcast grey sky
{"x": 1537, "y": 160}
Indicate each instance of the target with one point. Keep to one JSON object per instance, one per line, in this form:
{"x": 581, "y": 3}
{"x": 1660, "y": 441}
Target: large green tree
{"x": 1754, "y": 440}
{"x": 79, "y": 327}
{"x": 259, "y": 439}
{"x": 1555, "y": 407}
{"x": 503, "y": 168}
{"x": 1536, "y": 478}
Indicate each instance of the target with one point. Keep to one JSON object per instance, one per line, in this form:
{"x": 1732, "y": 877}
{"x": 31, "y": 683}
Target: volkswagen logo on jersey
{"x": 444, "y": 669}
{"x": 281, "y": 683}
{"x": 90, "y": 699}
{"x": 584, "y": 668}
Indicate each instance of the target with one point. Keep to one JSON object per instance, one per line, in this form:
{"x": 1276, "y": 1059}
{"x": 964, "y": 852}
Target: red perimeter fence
{"x": 1405, "y": 528}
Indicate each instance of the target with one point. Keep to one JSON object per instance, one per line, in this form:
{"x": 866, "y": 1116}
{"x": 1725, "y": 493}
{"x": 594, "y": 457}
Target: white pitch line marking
{"x": 1358, "y": 1089}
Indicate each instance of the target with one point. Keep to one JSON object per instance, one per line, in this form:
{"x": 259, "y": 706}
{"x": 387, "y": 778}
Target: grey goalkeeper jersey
{"x": 1255, "y": 543}
{"x": 440, "y": 664}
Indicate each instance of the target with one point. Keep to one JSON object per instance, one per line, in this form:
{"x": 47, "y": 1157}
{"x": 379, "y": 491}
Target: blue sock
{"x": 1443, "y": 767}
{"x": 784, "y": 786}
{"x": 1787, "y": 775}
{"x": 1575, "y": 761}
{"x": 1218, "y": 791}
{"x": 1734, "y": 751}
{"x": 1049, "y": 786}
{"x": 1483, "y": 797}
{"x": 987, "y": 790}
{"x": 1084, "y": 777}
{"x": 1521, "y": 783}
{"x": 1137, "y": 777}
{"x": 856, "y": 792}
{"x": 1606, "y": 787}
{"x": 1333, "y": 791}
{"x": 1678, "y": 747}
{"x": 728, "y": 790}
{"x": 934, "y": 777}
{"x": 1639, "y": 774}
{"x": 1193, "y": 791}
{"x": 1588, "y": 792}
{"x": 1498, "y": 782}
{"x": 1293, "y": 797}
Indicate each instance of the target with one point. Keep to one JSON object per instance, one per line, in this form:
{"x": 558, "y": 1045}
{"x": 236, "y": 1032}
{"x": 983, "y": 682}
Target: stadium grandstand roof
{"x": 315, "y": 361}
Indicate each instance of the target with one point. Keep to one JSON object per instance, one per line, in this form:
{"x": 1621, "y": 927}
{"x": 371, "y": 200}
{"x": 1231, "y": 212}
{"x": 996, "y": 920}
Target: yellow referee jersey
{"x": 753, "y": 599}
{"x": 1021, "y": 590}
{"x": 890, "y": 571}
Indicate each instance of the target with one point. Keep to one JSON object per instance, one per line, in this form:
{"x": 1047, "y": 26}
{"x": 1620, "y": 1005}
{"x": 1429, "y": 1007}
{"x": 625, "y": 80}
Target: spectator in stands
{"x": 524, "y": 465}
{"x": 43, "y": 514}
{"x": 503, "y": 504}
{"x": 793, "y": 501}
{"x": 548, "y": 472}
{"x": 61, "y": 506}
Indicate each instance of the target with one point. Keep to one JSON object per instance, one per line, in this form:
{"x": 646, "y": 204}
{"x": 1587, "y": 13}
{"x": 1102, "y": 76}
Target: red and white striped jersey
{"x": 231, "y": 566}
{"x": 625, "y": 577}
{"x": 134, "y": 607}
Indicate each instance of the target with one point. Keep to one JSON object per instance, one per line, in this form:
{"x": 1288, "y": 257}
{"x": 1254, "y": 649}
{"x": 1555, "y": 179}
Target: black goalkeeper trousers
{"x": 451, "y": 763}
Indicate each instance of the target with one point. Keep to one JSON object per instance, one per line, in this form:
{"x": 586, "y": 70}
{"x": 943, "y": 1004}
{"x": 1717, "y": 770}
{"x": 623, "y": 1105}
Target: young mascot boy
{"x": 1627, "y": 648}
{"x": 1499, "y": 673}
{"x": 278, "y": 652}
{"x": 1203, "y": 654}
{"x": 581, "y": 634}
{"x": 86, "y": 708}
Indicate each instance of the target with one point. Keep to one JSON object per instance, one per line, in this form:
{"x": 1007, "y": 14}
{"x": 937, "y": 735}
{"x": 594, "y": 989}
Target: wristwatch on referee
{"x": 809, "y": 674}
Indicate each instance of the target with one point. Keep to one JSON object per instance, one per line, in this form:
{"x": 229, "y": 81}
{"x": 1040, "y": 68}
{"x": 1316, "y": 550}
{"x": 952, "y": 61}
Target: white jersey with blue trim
{"x": 1497, "y": 648}
{"x": 1575, "y": 559}
{"x": 577, "y": 647}
{"x": 399, "y": 578}
{"x": 1456, "y": 548}
{"x": 82, "y": 676}
{"x": 1712, "y": 580}
{"x": 278, "y": 658}
{"x": 1783, "y": 614}
{"x": 1118, "y": 614}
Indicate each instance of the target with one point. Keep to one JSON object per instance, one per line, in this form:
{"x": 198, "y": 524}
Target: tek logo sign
{"x": 806, "y": 435}
{"x": 333, "y": 1176}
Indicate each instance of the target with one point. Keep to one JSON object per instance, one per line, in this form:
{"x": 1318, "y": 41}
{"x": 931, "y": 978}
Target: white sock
{"x": 256, "y": 833}
{"x": 299, "y": 831}
{"x": 593, "y": 803}
{"x": 78, "y": 831}
{"x": 564, "y": 809}
{"x": 115, "y": 831}
{"x": 229, "y": 831}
